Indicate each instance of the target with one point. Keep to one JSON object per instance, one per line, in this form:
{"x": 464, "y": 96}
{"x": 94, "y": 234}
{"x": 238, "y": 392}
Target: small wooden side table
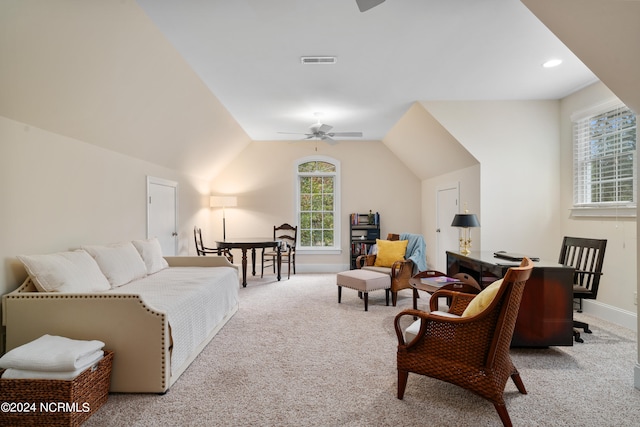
{"x": 432, "y": 281}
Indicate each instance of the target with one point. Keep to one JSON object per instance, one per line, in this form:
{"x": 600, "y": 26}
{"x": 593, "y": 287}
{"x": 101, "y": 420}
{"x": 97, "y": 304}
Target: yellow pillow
{"x": 482, "y": 300}
{"x": 390, "y": 251}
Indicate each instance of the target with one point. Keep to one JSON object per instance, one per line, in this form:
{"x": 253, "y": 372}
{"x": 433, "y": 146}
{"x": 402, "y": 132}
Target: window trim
{"x": 336, "y": 249}
{"x": 602, "y": 210}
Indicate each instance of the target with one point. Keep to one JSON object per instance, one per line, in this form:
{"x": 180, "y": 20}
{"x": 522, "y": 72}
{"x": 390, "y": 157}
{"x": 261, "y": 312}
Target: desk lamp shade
{"x": 465, "y": 221}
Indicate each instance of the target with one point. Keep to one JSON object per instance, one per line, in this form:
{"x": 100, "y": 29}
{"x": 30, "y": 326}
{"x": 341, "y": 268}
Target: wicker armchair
{"x": 400, "y": 272}
{"x": 471, "y": 352}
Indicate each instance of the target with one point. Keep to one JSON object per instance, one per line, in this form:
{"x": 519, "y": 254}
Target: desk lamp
{"x": 465, "y": 221}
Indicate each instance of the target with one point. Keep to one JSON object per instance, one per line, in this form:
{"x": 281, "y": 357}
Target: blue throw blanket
{"x": 416, "y": 251}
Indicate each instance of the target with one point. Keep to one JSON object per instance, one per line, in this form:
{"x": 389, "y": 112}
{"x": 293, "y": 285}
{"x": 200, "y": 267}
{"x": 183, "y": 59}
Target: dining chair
{"x": 202, "y": 250}
{"x": 288, "y": 236}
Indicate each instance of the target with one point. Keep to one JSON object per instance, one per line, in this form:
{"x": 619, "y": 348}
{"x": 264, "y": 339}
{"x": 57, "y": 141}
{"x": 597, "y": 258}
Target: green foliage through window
{"x": 316, "y": 180}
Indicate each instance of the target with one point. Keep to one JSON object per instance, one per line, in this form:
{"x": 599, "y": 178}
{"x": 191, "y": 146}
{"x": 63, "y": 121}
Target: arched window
{"x": 317, "y": 203}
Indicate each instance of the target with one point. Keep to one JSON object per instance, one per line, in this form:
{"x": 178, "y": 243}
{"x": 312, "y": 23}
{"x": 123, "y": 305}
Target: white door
{"x": 162, "y": 218}
{"x": 448, "y": 237}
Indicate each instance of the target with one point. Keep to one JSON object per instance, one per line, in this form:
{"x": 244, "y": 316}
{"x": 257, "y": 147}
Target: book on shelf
{"x": 365, "y": 219}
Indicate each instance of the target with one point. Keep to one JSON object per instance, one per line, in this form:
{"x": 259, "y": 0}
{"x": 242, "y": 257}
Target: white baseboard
{"x": 321, "y": 268}
{"x": 306, "y": 268}
{"x": 627, "y": 319}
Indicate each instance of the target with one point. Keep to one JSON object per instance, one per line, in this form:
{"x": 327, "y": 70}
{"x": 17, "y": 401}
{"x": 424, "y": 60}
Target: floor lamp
{"x": 223, "y": 202}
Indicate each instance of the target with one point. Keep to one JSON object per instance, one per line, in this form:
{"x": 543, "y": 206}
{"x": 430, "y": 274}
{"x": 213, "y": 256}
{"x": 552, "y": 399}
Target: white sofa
{"x": 156, "y": 324}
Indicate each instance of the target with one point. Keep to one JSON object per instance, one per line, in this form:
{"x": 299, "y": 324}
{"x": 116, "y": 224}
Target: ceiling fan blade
{"x": 365, "y": 5}
{"x": 346, "y": 134}
{"x": 323, "y": 128}
{"x": 292, "y": 133}
{"x": 328, "y": 139}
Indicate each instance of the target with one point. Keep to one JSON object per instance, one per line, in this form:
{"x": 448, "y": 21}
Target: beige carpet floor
{"x": 293, "y": 356}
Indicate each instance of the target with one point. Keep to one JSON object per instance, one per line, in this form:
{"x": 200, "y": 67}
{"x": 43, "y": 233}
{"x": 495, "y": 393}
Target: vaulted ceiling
{"x": 248, "y": 52}
{"x": 189, "y": 84}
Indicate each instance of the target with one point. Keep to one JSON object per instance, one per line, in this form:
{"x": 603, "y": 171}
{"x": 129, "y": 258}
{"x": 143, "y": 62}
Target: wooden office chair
{"x": 468, "y": 349}
{"x": 202, "y": 250}
{"x": 288, "y": 235}
{"x": 587, "y": 257}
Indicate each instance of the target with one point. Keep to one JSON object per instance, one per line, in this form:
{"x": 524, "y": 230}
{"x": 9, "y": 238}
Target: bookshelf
{"x": 363, "y": 231}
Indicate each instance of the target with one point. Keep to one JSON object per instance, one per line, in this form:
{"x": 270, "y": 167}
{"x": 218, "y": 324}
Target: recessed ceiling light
{"x": 552, "y": 63}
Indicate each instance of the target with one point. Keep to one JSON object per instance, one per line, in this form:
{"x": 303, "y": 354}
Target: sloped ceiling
{"x": 102, "y": 73}
{"x": 402, "y": 51}
{"x": 425, "y": 146}
{"x": 604, "y": 34}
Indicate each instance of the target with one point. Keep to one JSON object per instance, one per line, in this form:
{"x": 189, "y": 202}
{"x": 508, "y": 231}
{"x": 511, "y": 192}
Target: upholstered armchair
{"x": 393, "y": 258}
{"x": 468, "y": 345}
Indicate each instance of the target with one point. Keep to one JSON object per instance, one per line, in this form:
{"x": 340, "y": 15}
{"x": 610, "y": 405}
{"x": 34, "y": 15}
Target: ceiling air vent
{"x": 318, "y": 59}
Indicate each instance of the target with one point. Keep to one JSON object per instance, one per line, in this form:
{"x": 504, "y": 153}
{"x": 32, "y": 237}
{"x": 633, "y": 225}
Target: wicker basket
{"x": 38, "y": 402}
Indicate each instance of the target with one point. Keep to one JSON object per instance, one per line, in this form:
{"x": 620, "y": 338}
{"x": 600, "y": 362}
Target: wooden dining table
{"x": 252, "y": 243}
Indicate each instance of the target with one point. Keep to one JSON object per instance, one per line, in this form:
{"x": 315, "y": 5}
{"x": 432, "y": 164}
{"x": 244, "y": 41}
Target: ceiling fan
{"x": 321, "y": 131}
{"x": 365, "y": 5}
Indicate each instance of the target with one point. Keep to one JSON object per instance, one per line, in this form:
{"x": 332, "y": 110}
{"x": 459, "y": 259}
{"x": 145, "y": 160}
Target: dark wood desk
{"x": 251, "y": 243}
{"x": 546, "y": 311}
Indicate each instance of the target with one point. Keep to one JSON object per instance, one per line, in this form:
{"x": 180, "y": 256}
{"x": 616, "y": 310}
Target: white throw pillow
{"x": 151, "y": 254}
{"x": 72, "y": 271}
{"x": 120, "y": 262}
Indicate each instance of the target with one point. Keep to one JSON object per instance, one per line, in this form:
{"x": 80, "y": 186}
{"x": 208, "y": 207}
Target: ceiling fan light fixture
{"x": 318, "y": 60}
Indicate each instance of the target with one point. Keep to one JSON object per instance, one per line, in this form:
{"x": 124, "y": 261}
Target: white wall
{"x": 59, "y": 193}
{"x": 262, "y": 177}
{"x": 618, "y": 282}
{"x": 468, "y": 181}
{"x": 516, "y": 143}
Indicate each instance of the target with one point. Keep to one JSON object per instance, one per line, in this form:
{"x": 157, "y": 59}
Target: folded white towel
{"x": 52, "y": 353}
{"x": 19, "y": 374}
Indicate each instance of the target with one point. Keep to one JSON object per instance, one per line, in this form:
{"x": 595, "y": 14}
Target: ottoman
{"x": 363, "y": 281}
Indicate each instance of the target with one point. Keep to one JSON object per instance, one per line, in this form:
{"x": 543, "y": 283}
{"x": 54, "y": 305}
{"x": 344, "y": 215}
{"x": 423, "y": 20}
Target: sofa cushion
{"x": 120, "y": 263}
{"x": 74, "y": 271}
{"x": 482, "y": 300}
{"x": 390, "y": 251}
{"x": 151, "y": 254}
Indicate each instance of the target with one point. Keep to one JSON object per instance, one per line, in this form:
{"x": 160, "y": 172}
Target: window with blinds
{"x": 604, "y": 159}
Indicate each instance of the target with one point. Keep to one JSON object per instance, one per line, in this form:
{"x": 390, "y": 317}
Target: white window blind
{"x": 604, "y": 159}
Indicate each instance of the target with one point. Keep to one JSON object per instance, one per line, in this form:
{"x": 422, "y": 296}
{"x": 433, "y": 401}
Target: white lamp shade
{"x": 223, "y": 201}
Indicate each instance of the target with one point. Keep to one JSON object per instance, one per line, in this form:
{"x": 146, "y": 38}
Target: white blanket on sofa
{"x": 195, "y": 300}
